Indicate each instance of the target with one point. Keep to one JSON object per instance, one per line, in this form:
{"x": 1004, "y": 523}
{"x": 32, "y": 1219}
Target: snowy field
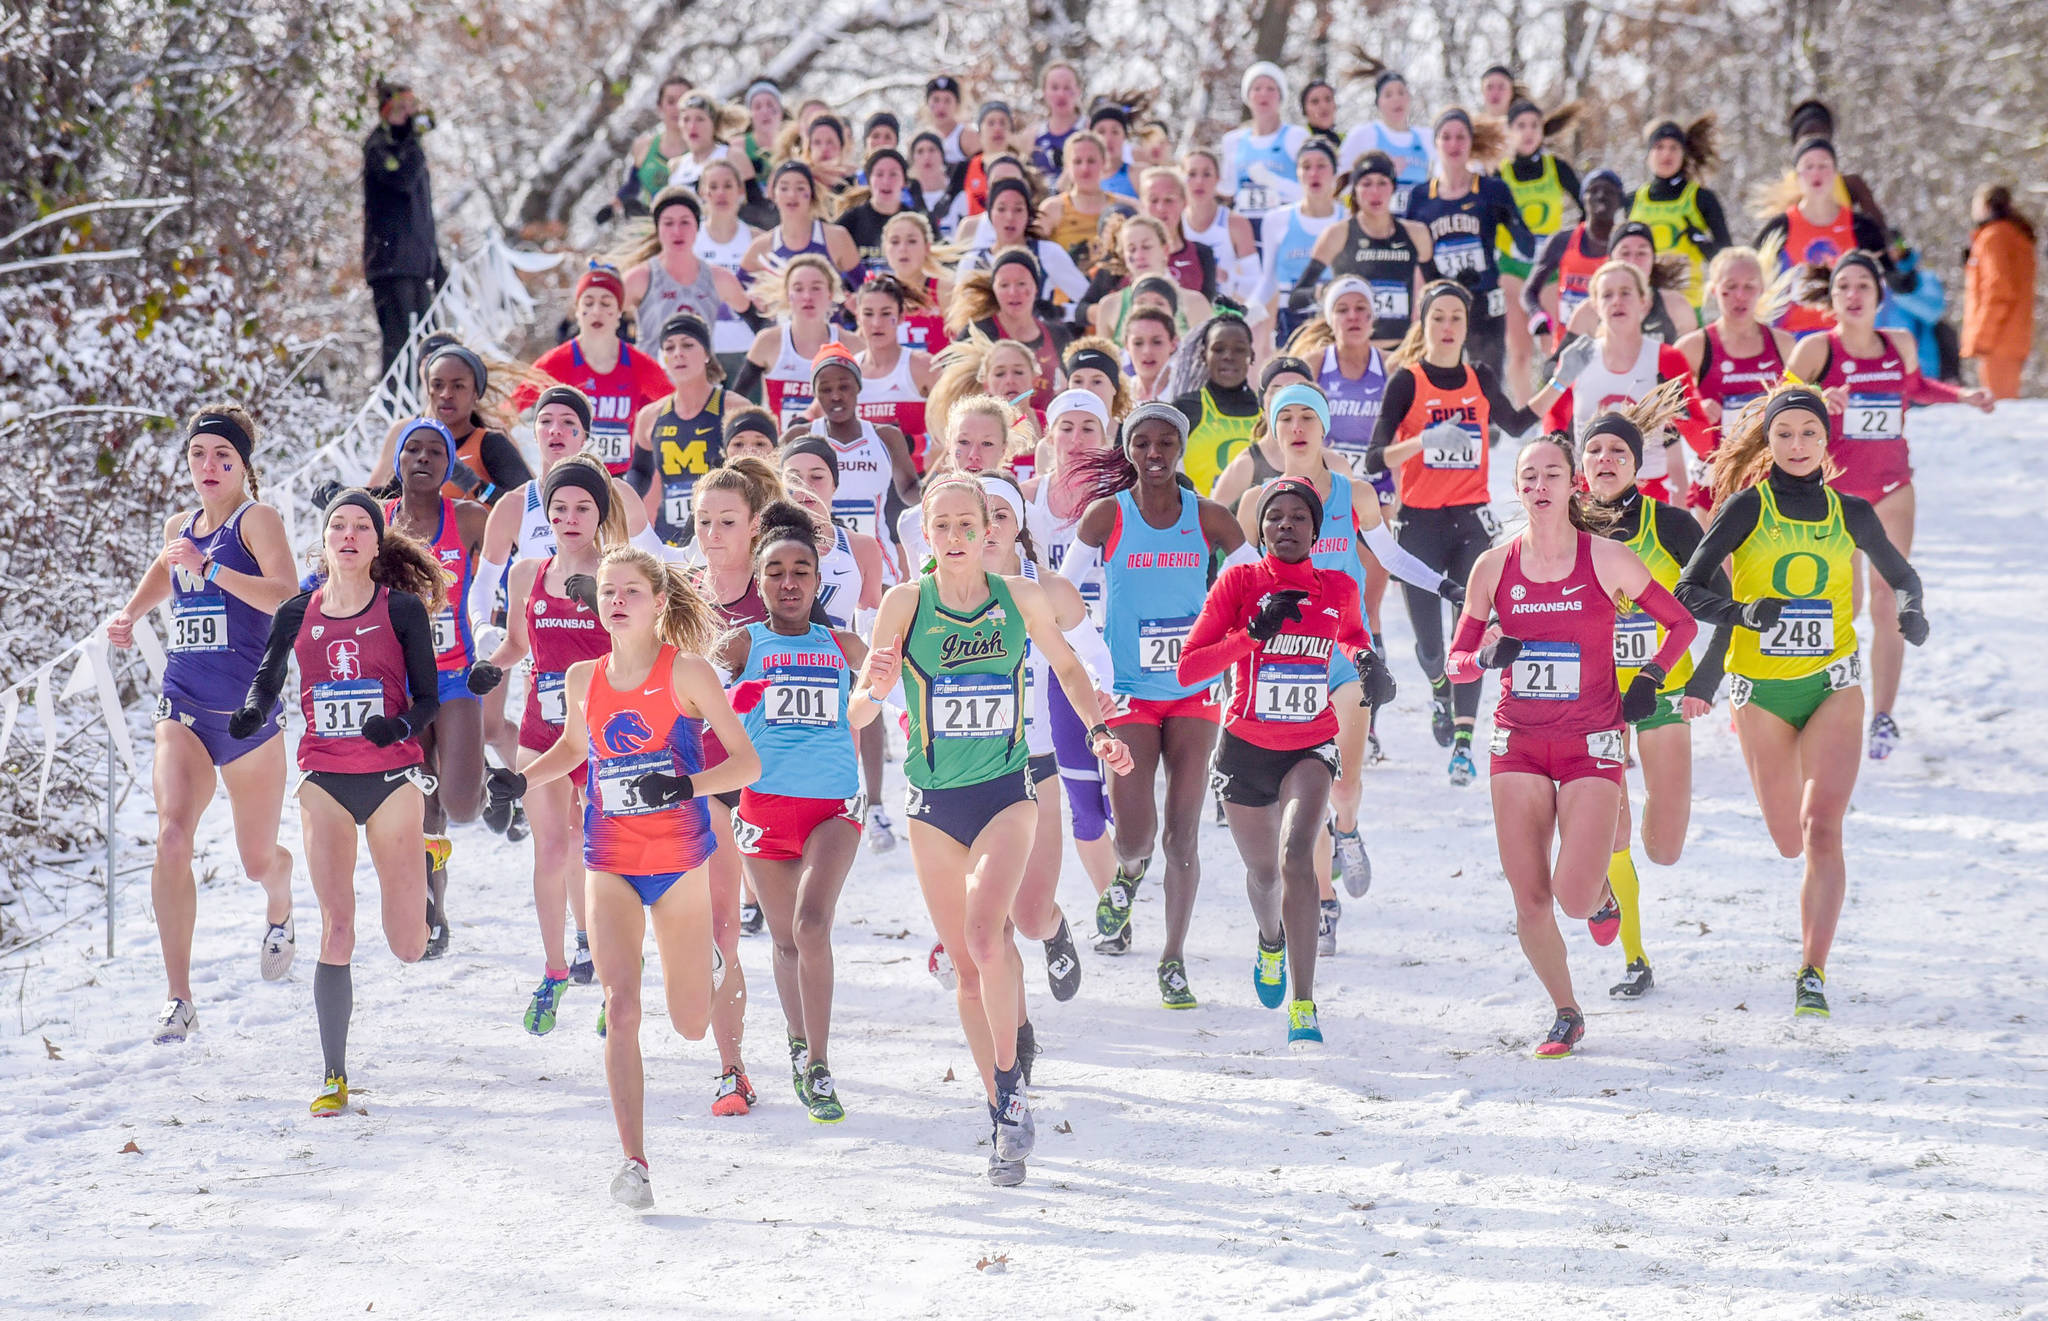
{"x": 1705, "y": 1155}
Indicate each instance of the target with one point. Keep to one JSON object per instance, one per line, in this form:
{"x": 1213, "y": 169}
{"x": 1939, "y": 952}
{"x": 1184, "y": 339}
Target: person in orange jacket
{"x": 1998, "y": 303}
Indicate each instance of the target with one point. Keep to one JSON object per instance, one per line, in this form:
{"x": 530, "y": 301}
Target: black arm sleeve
{"x": 1870, "y": 237}
{"x": 1681, "y": 536}
{"x": 1205, "y": 257}
{"x": 1569, "y": 179}
{"x": 641, "y": 475}
{"x": 1303, "y": 295}
{"x": 502, "y": 463}
{"x": 1394, "y": 406}
{"x": 416, "y": 634}
{"x": 277, "y": 654}
{"x": 749, "y": 381}
{"x": 1703, "y": 588}
{"x": 1505, "y": 414}
{"x": 1717, "y": 224}
{"x": 1775, "y": 225}
{"x": 1867, "y": 530}
{"x": 1544, "y": 270}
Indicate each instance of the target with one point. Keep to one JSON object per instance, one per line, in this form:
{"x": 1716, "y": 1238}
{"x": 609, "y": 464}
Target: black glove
{"x": 1763, "y": 612}
{"x": 1499, "y": 654}
{"x": 1274, "y": 612}
{"x": 1641, "y": 698}
{"x": 324, "y": 493}
{"x": 1450, "y": 589}
{"x": 659, "y": 788}
{"x": 1912, "y": 625}
{"x": 503, "y": 787}
{"x": 248, "y": 720}
{"x": 1375, "y": 680}
{"x": 483, "y": 678}
{"x": 581, "y": 588}
{"x": 383, "y": 731}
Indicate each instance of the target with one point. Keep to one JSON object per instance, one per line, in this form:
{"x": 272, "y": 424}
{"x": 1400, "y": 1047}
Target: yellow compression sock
{"x": 1621, "y": 878}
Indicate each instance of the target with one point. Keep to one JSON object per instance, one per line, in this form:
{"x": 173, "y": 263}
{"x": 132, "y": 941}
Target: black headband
{"x": 687, "y": 323}
{"x": 1376, "y": 162}
{"x": 1436, "y": 289}
{"x": 943, "y": 83}
{"x": 828, "y": 121}
{"x": 469, "y": 360}
{"x": 1856, "y": 257}
{"x": 1318, "y": 144}
{"x": 1633, "y": 229}
{"x": 817, "y": 447}
{"x": 569, "y": 397}
{"x": 1008, "y": 185}
{"x": 1522, "y": 106}
{"x": 362, "y": 500}
{"x": 881, "y": 119}
{"x": 1300, "y": 487}
{"x": 1815, "y": 143}
{"x": 994, "y": 107}
{"x": 1313, "y": 83}
{"x": 584, "y": 478}
{"x": 1669, "y": 128}
{"x": 1015, "y": 257}
{"x": 926, "y": 135}
{"x": 1096, "y": 358}
{"x": 1281, "y": 364}
{"x": 1379, "y": 84}
{"x": 679, "y": 197}
{"x": 1159, "y": 287}
{"x": 759, "y": 422}
{"x": 1501, "y": 69}
{"x": 1449, "y": 116}
{"x": 229, "y": 430}
{"x": 1794, "y": 400}
{"x": 794, "y": 167}
{"x": 1614, "y": 424}
{"x": 1103, "y": 113}
{"x": 881, "y": 154}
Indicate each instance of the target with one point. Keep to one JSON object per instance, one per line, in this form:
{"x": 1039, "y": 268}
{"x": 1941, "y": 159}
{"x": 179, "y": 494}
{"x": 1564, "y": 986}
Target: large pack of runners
{"x": 995, "y": 478}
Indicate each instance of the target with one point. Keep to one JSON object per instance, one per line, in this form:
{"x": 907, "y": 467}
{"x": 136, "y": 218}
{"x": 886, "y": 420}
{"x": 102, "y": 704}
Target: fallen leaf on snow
{"x": 51, "y": 1047}
{"x": 1063, "y": 1127}
{"x": 948, "y": 1077}
{"x": 130, "y": 1150}
{"x": 995, "y": 1263}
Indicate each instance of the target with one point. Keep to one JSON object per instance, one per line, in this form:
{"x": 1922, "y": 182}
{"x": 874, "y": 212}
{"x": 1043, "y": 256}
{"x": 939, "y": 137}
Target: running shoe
{"x": 1113, "y": 906}
{"x": 1120, "y": 943}
{"x": 1303, "y": 1032}
{"x": 1353, "y": 862}
{"x": 1884, "y": 736}
{"x": 1173, "y": 985}
{"x": 1564, "y": 1034}
{"x": 1606, "y": 924}
{"x": 1373, "y": 753}
{"x": 333, "y": 1098}
{"x": 176, "y": 1022}
{"x": 1462, "y": 769}
{"x": 581, "y": 969}
{"x": 280, "y": 942}
{"x": 821, "y": 1097}
{"x": 1443, "y": 722}
{"x": 1326, "y": 927}
{"x": 540, "y": 1011}
{"x": 1810, "y": 998}
{"x": 1062, "y": 963}
{"x": 1004, "y": 1173}
{"x": 1027, "y": 1049}
{"x": 799, "y": 1064}
{"x": 1016, "y": 1133}
{"x": 881, "y": 834}
{"x": 735, "y": 1094}
{"x": 631, "y": 1187}
{"x": 1635, "y": 981}
{"x": 940, "y": 965}
{"x": 751, "y": 920}
{"x": 1269, "y": 973}
{"x": 516, "y": 828}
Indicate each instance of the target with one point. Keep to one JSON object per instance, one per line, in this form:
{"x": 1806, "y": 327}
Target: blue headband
{"x": 419, "y": 424}
{"x": 1299, "y": 393}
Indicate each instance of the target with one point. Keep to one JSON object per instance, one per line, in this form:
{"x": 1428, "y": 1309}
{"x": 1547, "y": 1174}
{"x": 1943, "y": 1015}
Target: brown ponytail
{"x": 404, "y": 564}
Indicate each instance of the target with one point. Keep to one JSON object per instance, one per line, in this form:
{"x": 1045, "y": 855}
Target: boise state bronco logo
{"x": 626, "y": 732}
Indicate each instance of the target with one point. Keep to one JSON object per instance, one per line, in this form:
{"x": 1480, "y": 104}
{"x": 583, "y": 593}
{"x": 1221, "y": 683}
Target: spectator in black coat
{"x": 401, "y": 260}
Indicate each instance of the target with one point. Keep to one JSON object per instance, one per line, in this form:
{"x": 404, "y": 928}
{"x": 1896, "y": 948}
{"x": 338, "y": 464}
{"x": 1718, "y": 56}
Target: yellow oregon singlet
{"x": 1810, "y": 566}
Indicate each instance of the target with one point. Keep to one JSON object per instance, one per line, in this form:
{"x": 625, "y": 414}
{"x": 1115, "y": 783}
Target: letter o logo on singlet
{"x": 1537, "y": 214}
{"x": 1782, "y": 575}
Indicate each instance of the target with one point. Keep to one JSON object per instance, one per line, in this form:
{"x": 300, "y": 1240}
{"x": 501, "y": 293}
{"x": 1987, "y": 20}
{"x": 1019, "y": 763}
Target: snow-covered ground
{"x": 1704, "y": 1156}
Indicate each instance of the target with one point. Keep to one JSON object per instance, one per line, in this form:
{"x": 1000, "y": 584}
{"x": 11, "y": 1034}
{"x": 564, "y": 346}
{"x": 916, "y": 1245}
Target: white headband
{"x": 995, "y": 488}
{"x": 1077, "y": 401}
{"x": 1337, "y": 288}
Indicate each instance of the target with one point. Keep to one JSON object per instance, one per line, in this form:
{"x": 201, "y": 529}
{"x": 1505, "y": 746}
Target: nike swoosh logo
{"x": 649, "y": 692}
{"x": 371, "y": 629}
{"x": 392, "y": 776}
{"x": 1569, "y": 590}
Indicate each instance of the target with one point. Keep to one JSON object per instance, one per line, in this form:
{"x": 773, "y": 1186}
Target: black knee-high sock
{"x": 334, "y": 999}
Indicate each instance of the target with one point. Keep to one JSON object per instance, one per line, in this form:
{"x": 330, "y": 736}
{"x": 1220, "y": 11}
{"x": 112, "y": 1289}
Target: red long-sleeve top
{"x": 1279, "y": 689}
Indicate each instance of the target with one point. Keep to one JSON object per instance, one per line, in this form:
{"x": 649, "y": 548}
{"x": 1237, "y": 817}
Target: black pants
{"x": 401, "y": 301}
{"x": 1450, "y": 539}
